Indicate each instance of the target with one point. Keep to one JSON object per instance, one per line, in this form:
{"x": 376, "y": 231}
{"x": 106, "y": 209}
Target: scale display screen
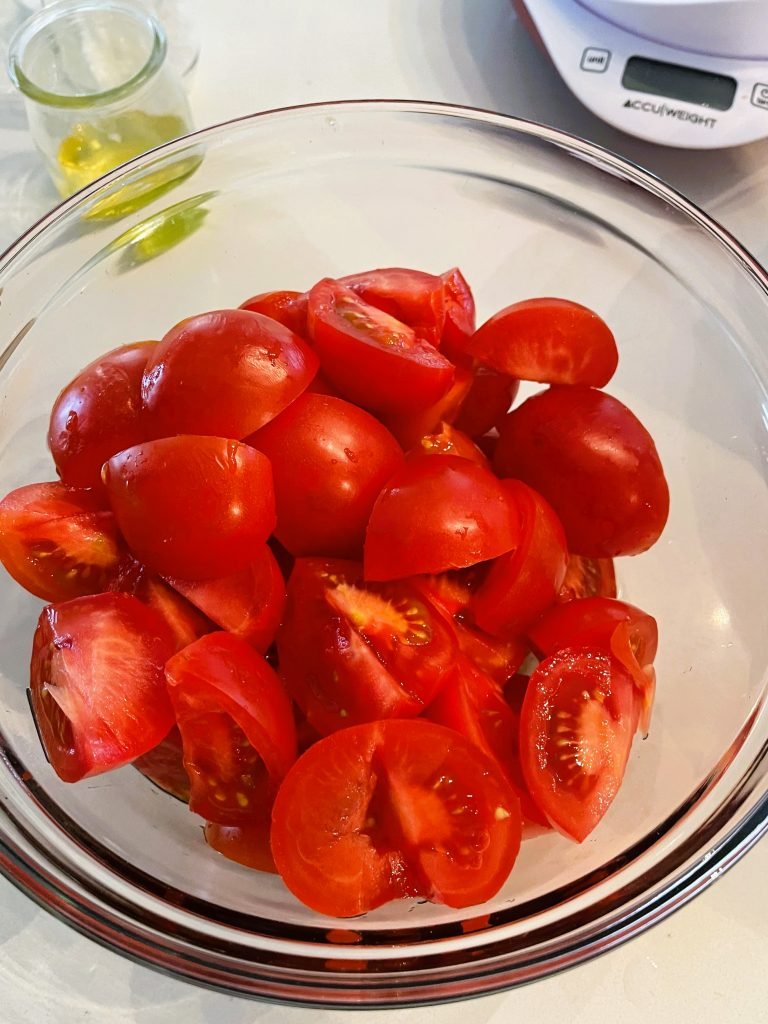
{"x": 676, "y": 82}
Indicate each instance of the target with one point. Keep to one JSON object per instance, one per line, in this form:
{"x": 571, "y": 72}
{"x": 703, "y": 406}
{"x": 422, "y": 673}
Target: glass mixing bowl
{"x": 279, "y": 200}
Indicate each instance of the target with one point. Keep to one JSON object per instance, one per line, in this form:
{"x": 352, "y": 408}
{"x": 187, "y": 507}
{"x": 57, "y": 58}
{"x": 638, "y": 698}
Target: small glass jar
{"x": 98, "y": 91}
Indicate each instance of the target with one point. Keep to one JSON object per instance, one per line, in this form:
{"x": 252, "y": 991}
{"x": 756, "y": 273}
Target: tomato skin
{"x": 375, "y": 361}
{"x": 289, "y": 308}
{"x": 98, "y": 414}
{"x": 351, "y": 653}
{"x": 330, "y": 460}
{"x": 409, "y": 429}
{"x": 390, "y": 809}
{"x": 435, "y": 515}
{"x": 96, "y": 683}
{"x": 588, "y": 577}
{"x": 224, "y": 694}
{"x": 190, "y": 506}
{"x": 246, "y": 844}
{"x": 563, "y": 736}
{"x": 594, "y": 462}
{"x": 249, "y": 603}
{"x": 488, "y": 400}
{"x": 163, "y": 765}
{"x": 459, "y": 310}
{"x": 553, "y": 341}
{"x": 410, "y": 296}
{"x": 449, "y": 441}
{"x": 520, "y": 585}
{"x": 58, "y": 543}
{"x": 629, "y": 633}
{"x": 224, "y": 373}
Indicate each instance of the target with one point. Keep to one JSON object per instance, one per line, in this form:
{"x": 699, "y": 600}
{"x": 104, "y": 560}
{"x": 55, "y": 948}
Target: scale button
{"x": 760, "y": 95}
{"x": 594, "y": 59}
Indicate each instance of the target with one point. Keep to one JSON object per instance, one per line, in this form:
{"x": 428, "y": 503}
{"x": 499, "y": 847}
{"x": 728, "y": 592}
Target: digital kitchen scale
{"x": 689, "y": 73}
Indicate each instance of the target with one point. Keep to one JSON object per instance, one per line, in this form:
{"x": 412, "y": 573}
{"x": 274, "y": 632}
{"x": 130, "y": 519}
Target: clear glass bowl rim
{"x": 301, "y": 978}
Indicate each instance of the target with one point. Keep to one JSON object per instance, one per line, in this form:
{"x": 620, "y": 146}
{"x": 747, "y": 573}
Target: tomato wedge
{"x": 408, "y": 429}
{"x": 450, "y": 441}
{"x": 183, "y": 620}
{"x": 459, "y": 323}
{"x": 553, "y": 341}
{"x": 390, "y": 809}
{"x": 578, "y": 718}
{"x": 435, "y": 515}
{"x": 96, "y": 683}
{"x": 373, "y": 359}
{"x": 488, "y": 400}
{"x": 520, "y": 585}
{"x": 287, "y": 307}
{"x": 630, "y": 634}
{"x": 190, "y": 506}
{"x": 249, "y": 603}
{"x": 98, "y": 414}
{"x": 351, "y": 652}
{"x": 163, "y": 765}
{"x": 246, "y": 844}
{"x": 236, "y": 725}
{"x": 58, "y": 543}
{"x": 410, "y": 296}
{"x": 224, "y": 373}
{"x": 588, "y": 577}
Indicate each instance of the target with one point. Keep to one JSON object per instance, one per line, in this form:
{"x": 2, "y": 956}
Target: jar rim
{"x": 51, "y": 13}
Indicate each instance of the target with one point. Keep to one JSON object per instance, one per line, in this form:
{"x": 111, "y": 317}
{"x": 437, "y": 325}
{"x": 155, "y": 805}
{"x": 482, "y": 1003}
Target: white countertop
{"x": 707, "y": 963}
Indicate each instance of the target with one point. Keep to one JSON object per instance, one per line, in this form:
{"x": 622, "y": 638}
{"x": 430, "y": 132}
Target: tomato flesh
{"x": 577, "y": 721}
{"x": 410, "y": 428}
{"x": 459, "y": 323}
{"x": 410, "y": 296}
{"x": 390, "y": 809}
{"x": 184, "y": 621}
{"x": 289, "y": 308}
{"x": 163, "y": 765}
{"x": 58, "y": 543}
{"x": 488, "y": 400}
{"x": 450, "y": 441}
{"x": 246, "y": 844}
{"x": 96, "y": 683}
{"x": 588, "y": 577}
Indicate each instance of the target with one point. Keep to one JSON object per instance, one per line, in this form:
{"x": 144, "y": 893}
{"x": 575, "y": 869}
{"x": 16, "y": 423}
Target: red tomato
{"x": 588, "y": 577}
{"x": 246, "y": 844}
{"x": 496, "y": 658}
{"x": 183, "y": 620}
{"x": 351, "y": 652}
{"x": 409, "y": 429}
{"x": 236, "y": 725}
{"x": 489, "y": 398}
{"x": 394, "y": 809}
{"x": 520, "y": 585}
{"x": 330, "y": 460}
{"x": 435, "y": 515}
{"x": 288, "y": 308}
{"x": 97, "y": 687}
{"x": 594, "y": 462}
{"x": 549, "y": 340}
{"x": 249, "y": 604}
{"x": 98, "y": 414}
{"x": 58, "y": 543}
{"x": 578, "y": 718}
{"x": 224, "y": 373}
{"x": 630, "y": 634}
{"x": 193, "y": 507}
{"x": 450, "y": 441}
{"x": 374, "y": 360}
{"x": 410, "y": 296}
{"x": 459, "y": 310}
{"x": 163, "y": 765}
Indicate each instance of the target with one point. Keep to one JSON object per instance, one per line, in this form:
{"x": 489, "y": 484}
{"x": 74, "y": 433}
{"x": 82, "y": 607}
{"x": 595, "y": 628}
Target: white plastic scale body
{"x": 687, "y": 73}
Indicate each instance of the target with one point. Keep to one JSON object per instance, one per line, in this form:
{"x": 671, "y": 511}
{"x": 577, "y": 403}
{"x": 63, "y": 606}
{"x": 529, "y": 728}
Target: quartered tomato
{"x": 58, "y": 543}
{"x": 164, "y": 766}
{"x": 249, "y": 603}
{"x": 488, "y": 400}
{"x": 193, "y": 507}
{"x": 329, "y": 460}
{"x": 246, "y": 844}
{"x": 450, "y": 441}
{"x": 224, "y": 373}
{"x": 183, "y": 620}
{"x": 236, "y": 725}
{"x": 373, "y": 359}
{"x": 411, "y": 296}
{"x": 588, "y": 577}
{"x": 553, "y": 341}
{"x": 520, "y": 585}
{"x": 435, "y": 515}
{"x": 287, "y": 307}
{"x": 459, "y": 323}
{"x": 98, "y": 414}
{"x": 409, "y": 428}
{"x": 351, "y": 652}
{"x": 96, "y": 683}
{"x": 390, "y": 809}
{"x": 630, "y": 634}
{"x": 578, "y": 718}
{"x": 594, "y": 462}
